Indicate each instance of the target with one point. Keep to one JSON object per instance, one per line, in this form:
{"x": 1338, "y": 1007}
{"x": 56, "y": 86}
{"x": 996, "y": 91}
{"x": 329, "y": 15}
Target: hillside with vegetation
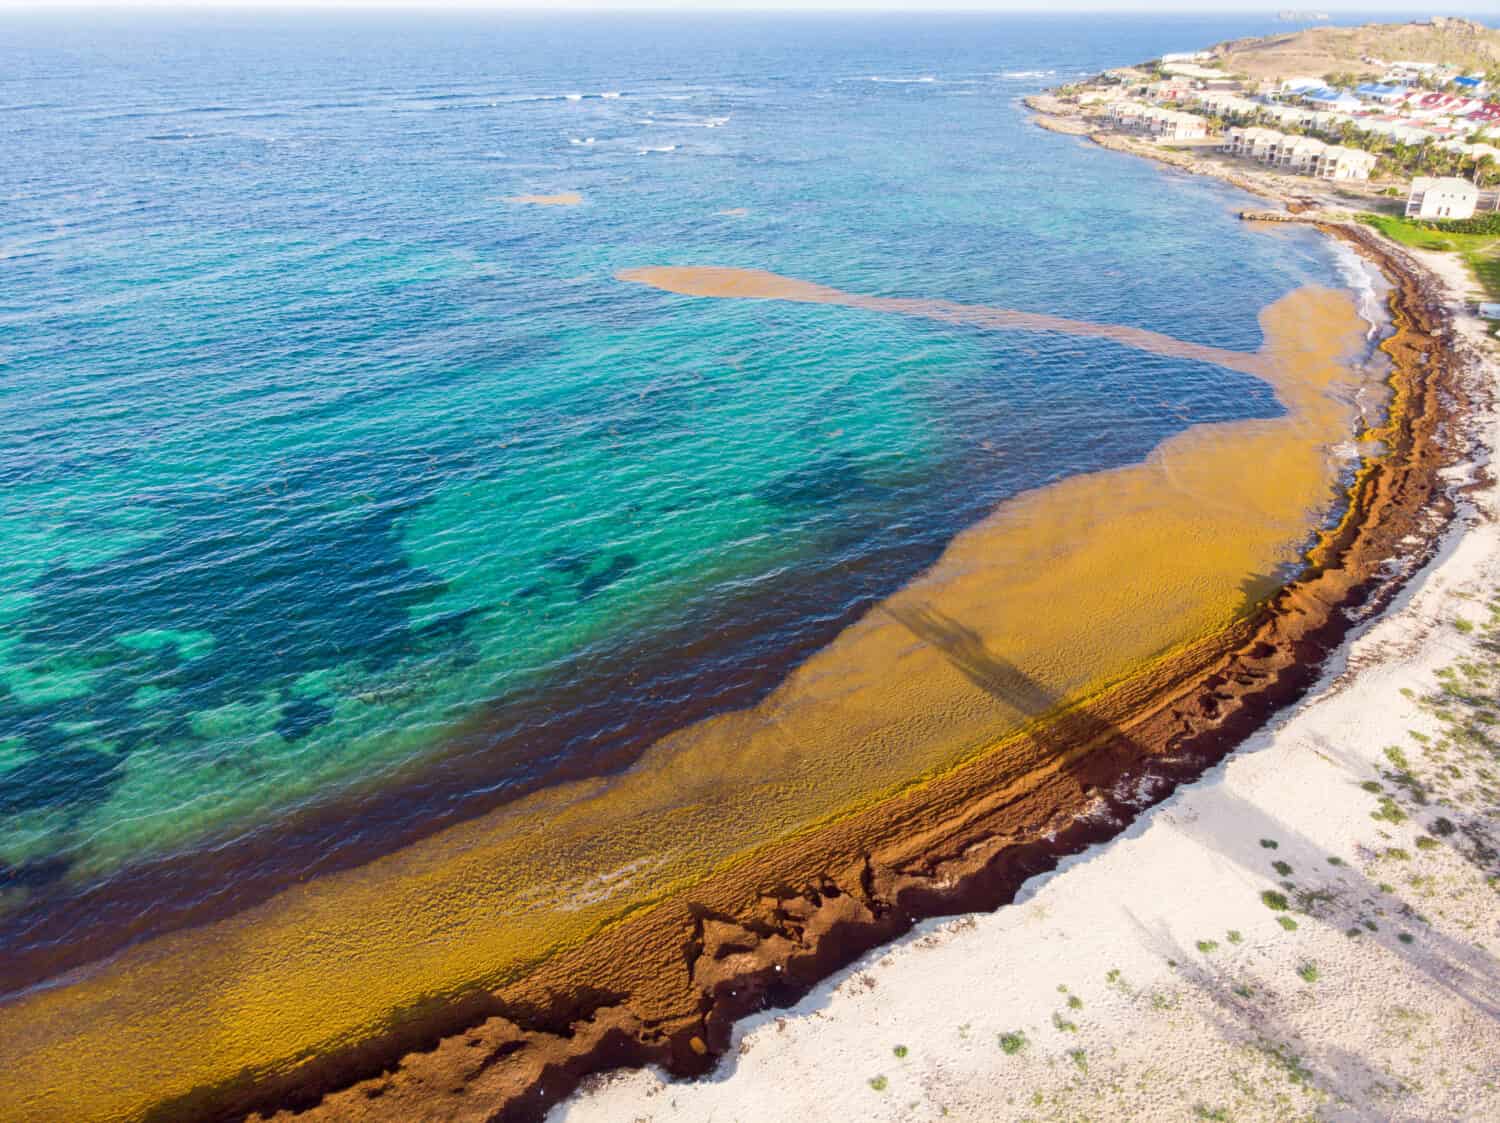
{"x": 1316, "y": 51}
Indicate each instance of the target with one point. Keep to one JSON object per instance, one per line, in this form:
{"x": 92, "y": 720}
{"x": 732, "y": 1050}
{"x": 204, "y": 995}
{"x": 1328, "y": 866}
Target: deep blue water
{"x": 326, "y": 469}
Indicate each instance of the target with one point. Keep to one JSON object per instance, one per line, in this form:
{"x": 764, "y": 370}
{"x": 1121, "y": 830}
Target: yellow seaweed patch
{"x": 1059, "y": 593}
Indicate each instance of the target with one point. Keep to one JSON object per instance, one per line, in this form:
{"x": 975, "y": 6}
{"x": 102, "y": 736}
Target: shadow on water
{"x": 965, "y": 648}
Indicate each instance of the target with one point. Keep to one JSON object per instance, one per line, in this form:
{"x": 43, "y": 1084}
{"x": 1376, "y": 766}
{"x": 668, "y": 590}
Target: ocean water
{"x": 344, "y": 497}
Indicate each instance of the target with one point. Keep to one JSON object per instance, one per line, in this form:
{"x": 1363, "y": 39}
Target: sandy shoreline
{"x": 1148, "y": 978}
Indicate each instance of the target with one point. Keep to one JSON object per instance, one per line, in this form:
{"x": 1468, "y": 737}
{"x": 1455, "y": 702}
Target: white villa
{"x": 1255, "y": 142}
{"x": 1441, "y": 197}
{"x": 1304, "y": 155}
{"x": 1169, "y": 124}
{"x": 1300, "y": 154}
{"x": 1338, "y": 162}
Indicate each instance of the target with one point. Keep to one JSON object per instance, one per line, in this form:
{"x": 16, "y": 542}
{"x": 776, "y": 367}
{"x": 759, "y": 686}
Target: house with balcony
{"x": 1338, "y": 162}
{"x": 1441, "y": 197}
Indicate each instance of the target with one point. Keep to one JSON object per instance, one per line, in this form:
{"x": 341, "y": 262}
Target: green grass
{"x": 1480, "y": 251}
{"x": 1287, "y": 922}
{"x": 1012, "y": 1043}
{"x": 1208, "y": 946}
{"x": 1308, "y": 972}
{"x": 878, "y": 1083}
{"x": 1274, "y": 900}
{"x": 900, "y": 1050}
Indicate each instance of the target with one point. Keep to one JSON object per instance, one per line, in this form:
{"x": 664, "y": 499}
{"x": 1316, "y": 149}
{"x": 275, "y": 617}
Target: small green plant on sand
{"x": 1283, "y": 868}
{"x": 1208, "y": 946}
{"x": 1080, "y": 1058}
{"x": 1269, "y": 843}
{"x": 1464, "y": 626}
{"x": 1308, "y": 972}
{"x": 878, "y": 1083}
{"x": 1217, "y": 1114}
{"x": 1074, "y": 1002}
{"x": 1012, "y": 1043}
{"x": 900, "y": 1050}
{"x": 1274, "y": 900}
{"x": 1426, "y": 843}
{"x": 1062, "y": 1023}
{"x": 1405, "y": 937}
{"x": 1287, "y": 922}
{"x": 1334, "y": 860}
{"x": 1234, "y": 936}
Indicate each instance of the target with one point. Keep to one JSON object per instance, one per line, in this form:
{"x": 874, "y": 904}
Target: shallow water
{"x": 335, "y": 477}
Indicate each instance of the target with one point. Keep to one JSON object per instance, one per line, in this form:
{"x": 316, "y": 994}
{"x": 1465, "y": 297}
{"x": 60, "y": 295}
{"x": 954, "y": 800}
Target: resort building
{"x": 1226, "y": 101}
{"x": 1339, "y": 101}
{"x": 1382, "y": 93}
{"x": 1441, "y": 197}
{"x": 1299, "y": 154}
{"x": 1172, "y": 89}
{"x": 1338, "y": 162}
{"x": 1170, "y": 124}
{"x": 1290, "y": 115}
{"x": 1298, "y": 85}
{"x": 1255, "y": 142}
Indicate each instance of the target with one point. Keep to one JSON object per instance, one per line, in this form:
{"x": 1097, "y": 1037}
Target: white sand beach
{"x": 1177, "y": 972}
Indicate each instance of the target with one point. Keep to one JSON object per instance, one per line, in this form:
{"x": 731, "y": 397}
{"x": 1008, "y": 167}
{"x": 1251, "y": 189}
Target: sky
{"x": 1202, "y": 7}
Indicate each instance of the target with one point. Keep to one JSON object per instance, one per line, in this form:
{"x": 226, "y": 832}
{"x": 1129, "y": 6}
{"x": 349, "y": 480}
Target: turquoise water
{"x": 343, "y": 497}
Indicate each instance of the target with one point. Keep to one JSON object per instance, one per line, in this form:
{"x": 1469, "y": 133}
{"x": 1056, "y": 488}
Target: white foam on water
{"x": 1022, "y": 75}
{"x": 1365, "y": 280}
{"x": 657, "y": 148}
{"x": 580, "y": 140}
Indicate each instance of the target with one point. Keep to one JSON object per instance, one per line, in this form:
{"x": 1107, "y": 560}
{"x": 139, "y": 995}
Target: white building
{"x": 1441, "y": 197}
{"x": 1255, "y": 142}
{"x": 1338, "y": 162}
{"x": 1299, "y": 154}
{"x": 1127, "y": 114}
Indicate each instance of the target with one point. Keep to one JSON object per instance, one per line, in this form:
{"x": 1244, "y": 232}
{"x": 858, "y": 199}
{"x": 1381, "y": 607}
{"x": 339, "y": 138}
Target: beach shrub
{"x": 878, "y": 1083}
{"x": 1425, "y": 843}
{"x": 900, "y": 1050}
{"x": 1074, "y": 1002}
{"x": 1274, "y": 900}
{"x": 1012, "y": 1043}
{"x": 1283, "y": 868}
{"x": 1269, "y": 843}
{"x": 1287, "y": 922}
{"x": 1308, "y": 972}
{"x": 1208, "y": 946}
{"x": 1234, "y": 936}
{"x": 1080, "y": 1058}
{"x": 1406, "y": 937}
{"x": 1479, "y": 224}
